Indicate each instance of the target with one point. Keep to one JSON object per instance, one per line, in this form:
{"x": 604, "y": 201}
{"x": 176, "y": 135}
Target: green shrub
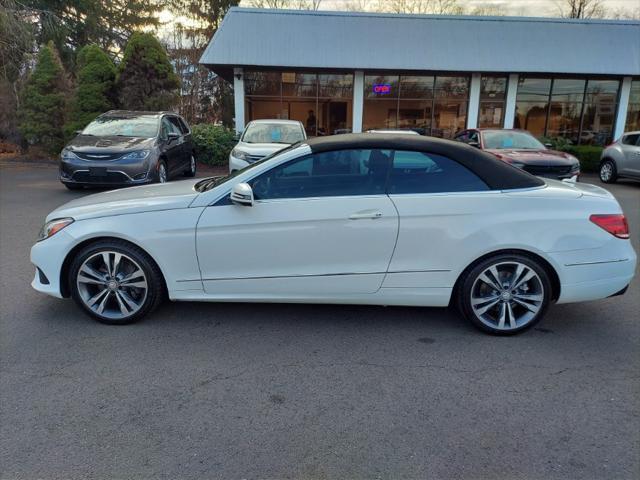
{"x": 41, "y": 113}
{"x": 589, "y": 156}
{"x": 96, "y": 88}
{"x": 212, "y": 143}
{"x": 146, "y": 79}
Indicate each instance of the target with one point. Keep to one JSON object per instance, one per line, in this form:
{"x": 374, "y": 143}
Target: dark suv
{"x": 128, "y": 148}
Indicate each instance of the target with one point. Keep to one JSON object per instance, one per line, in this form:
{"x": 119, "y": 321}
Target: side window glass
{"x": 165, "y": 128}
{"x": 473, "y": 137}
{"x": 462, "y": 137}
{"x": 631, "y": 139}
{"x": 183, "y": 126}
{"x": 327, "y": 174}
{"x": 419, "y": 172}
{"x": 174, "y": 124}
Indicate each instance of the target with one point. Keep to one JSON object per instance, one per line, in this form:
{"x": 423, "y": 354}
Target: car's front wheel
{"x": 191, "y": 171}
{"x": 115, "y": 282}
{"x": 505, "y": 294}
{"x": 163, "y": 176}
{"x": 608, "y": 171}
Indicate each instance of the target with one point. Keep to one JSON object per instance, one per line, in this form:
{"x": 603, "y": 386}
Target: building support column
{"x": 238, "y": 98}
{"x": 474, "y": 101}
{"x": 358, "y": 101}
{"x": 510, "y": 104}
{"x": 623, "y": 105}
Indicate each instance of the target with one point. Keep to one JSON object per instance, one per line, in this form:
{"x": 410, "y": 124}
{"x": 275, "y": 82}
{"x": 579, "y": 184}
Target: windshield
{"x": 211, "y": 182}
{"x": 272, "y": 133}
{"x": 497, "y": 140}
{"x": 143, "y": 126}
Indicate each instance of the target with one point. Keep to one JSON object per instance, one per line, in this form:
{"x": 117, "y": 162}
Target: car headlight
{"x": 239, "y": 154}
{"x": 575, "y": 167}
{"x": 68, "y": 155}
{"x": 49, "y": 229}
{"x": 137, "y": 155}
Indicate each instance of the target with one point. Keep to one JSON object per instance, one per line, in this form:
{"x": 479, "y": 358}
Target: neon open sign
{"x": 381, "y": 88}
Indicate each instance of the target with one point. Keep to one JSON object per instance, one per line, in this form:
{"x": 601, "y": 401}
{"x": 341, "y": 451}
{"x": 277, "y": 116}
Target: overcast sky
{"x": 513, "y": 7}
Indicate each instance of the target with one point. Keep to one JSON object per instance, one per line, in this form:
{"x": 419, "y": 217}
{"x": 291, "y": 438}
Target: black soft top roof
{"x": 498, "y": 175}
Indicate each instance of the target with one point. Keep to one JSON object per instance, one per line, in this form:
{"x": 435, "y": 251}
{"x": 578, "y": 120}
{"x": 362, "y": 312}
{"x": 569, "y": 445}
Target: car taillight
{"x": 615, "y": 224}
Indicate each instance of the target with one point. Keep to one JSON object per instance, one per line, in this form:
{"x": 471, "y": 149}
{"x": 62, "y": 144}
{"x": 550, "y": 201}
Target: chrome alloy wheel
{"x": 112, "y": 285}
{"x": 606, "y": 171}
{"x": 192, "y": 165}
{"x": 507, "y": 295}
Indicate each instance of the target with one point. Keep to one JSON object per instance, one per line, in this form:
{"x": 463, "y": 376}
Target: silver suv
{"x": 621, "y": 158}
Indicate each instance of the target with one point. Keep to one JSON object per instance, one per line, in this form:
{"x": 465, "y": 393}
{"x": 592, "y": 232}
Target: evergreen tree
{"x": 146, "y": 79}
{"x": 96, "y": 92}
{"x": 42, "y": 109}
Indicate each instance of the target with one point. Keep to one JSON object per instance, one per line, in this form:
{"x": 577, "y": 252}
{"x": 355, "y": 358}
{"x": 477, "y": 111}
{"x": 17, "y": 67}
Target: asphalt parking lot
{"x": 306, "y": 391}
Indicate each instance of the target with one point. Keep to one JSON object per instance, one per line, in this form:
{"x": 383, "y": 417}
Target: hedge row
{"x": 212, "y": 143}
{"x": 588, "y": 155}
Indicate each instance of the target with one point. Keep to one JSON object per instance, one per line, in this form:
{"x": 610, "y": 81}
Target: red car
{"x": 523, "y": 150}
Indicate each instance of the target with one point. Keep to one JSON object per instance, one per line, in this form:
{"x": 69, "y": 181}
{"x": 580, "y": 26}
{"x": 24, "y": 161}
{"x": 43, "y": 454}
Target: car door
{"x": 321, "y": 227}
{"x": 179, "y": 129}
{"x": 172, "y": 145}
{"x": 630, "y": 145}
{"x": 439, "y": 202}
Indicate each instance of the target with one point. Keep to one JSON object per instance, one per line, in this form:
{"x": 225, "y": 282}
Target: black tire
{"x": 608, "y": 172}
{"x": 469, "y": 279}
{"x": 155, "y": 283}
{"x": 162, "y": 164}
{"x": 71, "y": 186}
{"x": 191, "y": 170}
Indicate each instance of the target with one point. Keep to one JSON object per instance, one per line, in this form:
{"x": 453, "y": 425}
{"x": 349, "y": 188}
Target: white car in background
{"x": 262, "y": 138}
{"x": 355, "y": 219}
{"x": 621, "y": 159}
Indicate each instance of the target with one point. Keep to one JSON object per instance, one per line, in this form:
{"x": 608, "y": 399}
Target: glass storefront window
{"x": 633, "y": 110}
{"x": 581, "y": 110}
{"x": 426, "y": 104}
{"x": 493, "y": 91}
{"x": 322, "y": 102}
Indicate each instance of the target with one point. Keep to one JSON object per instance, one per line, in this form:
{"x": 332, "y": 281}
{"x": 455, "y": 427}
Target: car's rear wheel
{"x": 505, "y": 294}
{"x": 191, "y": 171}
{"x": 115, "y": 282}
{"x": 608, "y": 171}
{"x": 163, "y": 176}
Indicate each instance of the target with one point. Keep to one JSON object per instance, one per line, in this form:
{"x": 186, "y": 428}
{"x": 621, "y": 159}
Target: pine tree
{"x": 42, "y": 109}
{"x": 96, "y": 91}
{"x": 146, "y": 79}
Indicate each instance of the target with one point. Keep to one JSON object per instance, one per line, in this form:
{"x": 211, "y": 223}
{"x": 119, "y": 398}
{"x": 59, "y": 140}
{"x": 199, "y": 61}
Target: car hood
{"x": 146, "y": 198}
{"x": 108, "y": 144}
{"x": 260, "y": 149}
{"x": 547, "y": 158}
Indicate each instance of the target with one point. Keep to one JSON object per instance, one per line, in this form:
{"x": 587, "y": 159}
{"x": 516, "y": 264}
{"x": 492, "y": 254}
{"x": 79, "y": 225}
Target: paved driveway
{"x": 295, "y": 391}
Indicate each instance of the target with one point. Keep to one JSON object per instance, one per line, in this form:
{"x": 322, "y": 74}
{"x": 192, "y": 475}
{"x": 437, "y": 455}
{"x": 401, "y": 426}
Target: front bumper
{"x": 108, "y": 173}
{"x": 48, "y": 256}
{"x": 236, "y": 164}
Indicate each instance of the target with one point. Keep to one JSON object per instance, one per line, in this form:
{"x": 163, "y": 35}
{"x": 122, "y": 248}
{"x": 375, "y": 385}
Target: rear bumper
{"x": 606, "y": 273}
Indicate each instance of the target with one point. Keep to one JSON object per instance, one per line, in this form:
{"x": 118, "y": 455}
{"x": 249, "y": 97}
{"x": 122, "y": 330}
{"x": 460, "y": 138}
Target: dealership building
{"x": 339, "y": 72}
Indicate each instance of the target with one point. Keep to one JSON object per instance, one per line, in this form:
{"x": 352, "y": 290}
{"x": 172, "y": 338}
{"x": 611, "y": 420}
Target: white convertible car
{"x": 356, "y": 219}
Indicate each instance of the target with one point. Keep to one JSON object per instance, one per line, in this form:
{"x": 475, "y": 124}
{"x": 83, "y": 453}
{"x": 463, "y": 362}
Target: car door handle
{"x": 364, "y": 215}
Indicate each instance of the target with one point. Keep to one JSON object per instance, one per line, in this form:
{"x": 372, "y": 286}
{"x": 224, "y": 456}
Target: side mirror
{"x": 474, "y": 144}
{"x": 548, "y": 145}
{"x": 242, "y": 194}
{"x": 173, "y": 135}
{"x": 77, "y": 132}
